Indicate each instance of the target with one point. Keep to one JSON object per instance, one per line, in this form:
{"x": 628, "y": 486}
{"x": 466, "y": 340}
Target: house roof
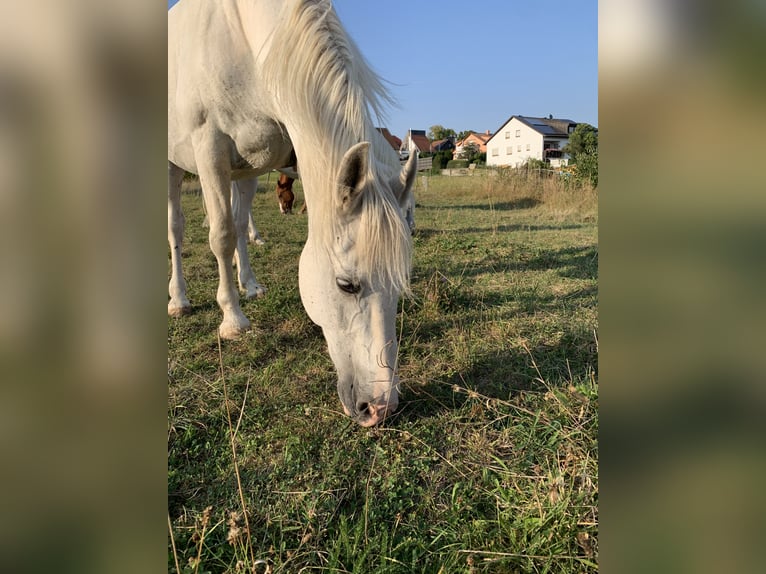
{"x": 395, "y": 142}
{"x": 552, "y": 127}
{"x": 481, "y": 139}
{"x": 480, "y": 136}
{"x": 548, "y": 126}
{"x": 420, "y": 140}
{"x": 441, "y": 145}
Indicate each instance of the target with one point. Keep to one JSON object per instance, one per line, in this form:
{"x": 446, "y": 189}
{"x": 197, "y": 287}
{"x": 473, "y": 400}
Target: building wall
{"x": 480, "y": 145}
{"x": 514, "y": 144}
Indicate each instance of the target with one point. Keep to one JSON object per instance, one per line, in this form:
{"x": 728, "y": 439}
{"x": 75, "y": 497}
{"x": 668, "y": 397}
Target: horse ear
{"x": 353, "y": 171}
{"x": 402, "y": 185}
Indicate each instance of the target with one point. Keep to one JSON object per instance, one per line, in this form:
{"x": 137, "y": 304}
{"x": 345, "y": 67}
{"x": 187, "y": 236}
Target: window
{"x": 518, "y": 133}
{"x": 507, "y": 135}
{"x": 527, "y": 147}
{"x": 509, "y": 150}
{"x": 495, "y": 152}
{"x": 519, "y": 148}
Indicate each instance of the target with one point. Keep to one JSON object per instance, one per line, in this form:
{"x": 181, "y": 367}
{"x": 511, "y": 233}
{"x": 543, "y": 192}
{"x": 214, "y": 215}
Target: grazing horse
{"x": 248, "y": 82}
{"x": 285, "y": 194}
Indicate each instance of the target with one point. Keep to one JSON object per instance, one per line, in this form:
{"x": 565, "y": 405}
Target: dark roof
{"x": 441, "y": 145}
{"x": 552, "y": 127}
{"x": 548, "y": 126}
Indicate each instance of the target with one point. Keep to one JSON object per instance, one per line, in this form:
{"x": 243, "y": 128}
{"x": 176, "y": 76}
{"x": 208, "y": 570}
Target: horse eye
{"x": 347, "y": 286}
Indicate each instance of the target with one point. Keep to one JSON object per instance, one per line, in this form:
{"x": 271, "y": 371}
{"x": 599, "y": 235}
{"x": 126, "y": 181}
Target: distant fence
{"x": 424, "y": 163}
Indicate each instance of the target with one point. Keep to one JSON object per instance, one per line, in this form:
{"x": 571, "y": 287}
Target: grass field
{"x": 491, "y": 462}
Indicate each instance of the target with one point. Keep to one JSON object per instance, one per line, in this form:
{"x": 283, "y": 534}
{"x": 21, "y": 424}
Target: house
{"x": 416, "y": 140}
{"x": 395, "y": 142}
{"x": 473, "y": 138}
{"x": 524, "y": 137}
{"x": 445, "y": 144}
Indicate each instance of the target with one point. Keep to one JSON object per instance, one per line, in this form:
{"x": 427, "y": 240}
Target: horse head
{"x": 285, "y": 194}
{"x": 350, "y": 282}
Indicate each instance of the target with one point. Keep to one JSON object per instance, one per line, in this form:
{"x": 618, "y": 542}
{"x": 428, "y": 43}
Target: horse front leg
{"x": 178, "y": 305}
{"x": 243, "y": 192}
{"x": 215, "y": 177}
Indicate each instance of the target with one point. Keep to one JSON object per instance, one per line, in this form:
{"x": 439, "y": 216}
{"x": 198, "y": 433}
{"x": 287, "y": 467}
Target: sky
{"x": 471, "y": 66}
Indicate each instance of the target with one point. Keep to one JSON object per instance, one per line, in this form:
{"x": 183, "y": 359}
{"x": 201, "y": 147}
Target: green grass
{"x": 490, "y": 464}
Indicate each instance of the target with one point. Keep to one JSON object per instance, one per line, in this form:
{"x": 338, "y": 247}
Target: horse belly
{"x": 262, "y": 145}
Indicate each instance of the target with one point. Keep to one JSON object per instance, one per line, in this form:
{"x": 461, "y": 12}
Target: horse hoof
{"x": 179, "y": 311}
{"x": 256, "y": 293}
{"x": 231, "y": 333}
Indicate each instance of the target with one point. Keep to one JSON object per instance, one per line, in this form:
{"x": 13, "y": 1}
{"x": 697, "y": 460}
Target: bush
{"x": 586, "y": 166}
{"x": 534, "y": 164}
{"x": 457, "y": 164}
{"x": 440, "y": 161}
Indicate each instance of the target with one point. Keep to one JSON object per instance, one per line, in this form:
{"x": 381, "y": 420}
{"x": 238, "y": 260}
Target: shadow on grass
{"x": 521, "y": 203}
{"x": 570, "y": 262}
{"x": 425, "y": 233}
{"x": 502, "y": 374}
{"x": 448, "y": 302}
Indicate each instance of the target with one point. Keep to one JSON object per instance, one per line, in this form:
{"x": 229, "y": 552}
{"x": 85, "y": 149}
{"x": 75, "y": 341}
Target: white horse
{"x": 250, "y": 80}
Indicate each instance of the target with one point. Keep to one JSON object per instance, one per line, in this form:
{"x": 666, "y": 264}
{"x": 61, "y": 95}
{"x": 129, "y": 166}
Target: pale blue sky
{"x": 472, "y": 65}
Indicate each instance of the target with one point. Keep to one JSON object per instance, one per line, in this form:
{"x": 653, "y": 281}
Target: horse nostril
{"x": 362, "y": 408}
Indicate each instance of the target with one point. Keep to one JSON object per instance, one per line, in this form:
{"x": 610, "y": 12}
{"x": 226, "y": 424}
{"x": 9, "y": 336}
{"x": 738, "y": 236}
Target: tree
{"x": 440, "y": 160}
{"x": 584, "y": 137}
{"x": 586, "y": 166}
{"x": 583, "y": 153}
{"x": 469, "y": 151}
{"x": 438, "y": 132}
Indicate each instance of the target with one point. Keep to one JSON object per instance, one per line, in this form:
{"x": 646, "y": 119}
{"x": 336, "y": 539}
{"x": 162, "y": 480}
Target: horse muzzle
{"x": 369, "y": 414}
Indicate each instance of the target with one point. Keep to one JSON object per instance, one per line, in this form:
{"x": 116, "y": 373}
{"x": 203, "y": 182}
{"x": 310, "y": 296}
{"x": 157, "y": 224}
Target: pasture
{"x": 491, "y": 462}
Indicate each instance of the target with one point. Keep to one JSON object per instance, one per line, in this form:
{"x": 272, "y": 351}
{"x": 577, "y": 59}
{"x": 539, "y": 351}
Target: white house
{"x": 524, "y": 137}
{"x": 416, "y": 140}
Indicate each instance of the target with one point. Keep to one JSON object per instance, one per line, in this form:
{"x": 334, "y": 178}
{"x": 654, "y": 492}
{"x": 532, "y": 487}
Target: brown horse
{"x": 285, "y": 193}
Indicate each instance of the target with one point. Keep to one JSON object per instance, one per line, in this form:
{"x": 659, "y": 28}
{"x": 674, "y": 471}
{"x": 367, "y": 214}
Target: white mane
{"x": 323, "y": 86}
